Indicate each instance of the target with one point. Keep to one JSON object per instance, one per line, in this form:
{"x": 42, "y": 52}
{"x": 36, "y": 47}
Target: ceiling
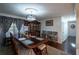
{"x": 45, "y": 10}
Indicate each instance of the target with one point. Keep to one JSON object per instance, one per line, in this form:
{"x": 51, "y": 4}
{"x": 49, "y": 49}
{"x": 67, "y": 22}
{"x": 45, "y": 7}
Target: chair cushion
{"x": 42, "y": 46}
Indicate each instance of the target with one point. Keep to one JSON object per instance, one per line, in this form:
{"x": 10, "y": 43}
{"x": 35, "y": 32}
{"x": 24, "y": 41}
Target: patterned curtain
{"x": 6, "y": 23}
{"x": 18, "y": 23}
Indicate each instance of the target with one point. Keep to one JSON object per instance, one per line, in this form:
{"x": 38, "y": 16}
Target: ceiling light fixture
{"x": 30, "y": 14}
{"x": 31, "y": 17}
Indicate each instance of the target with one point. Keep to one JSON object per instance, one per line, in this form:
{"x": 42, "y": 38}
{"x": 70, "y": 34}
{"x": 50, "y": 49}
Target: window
{"x": 13, "y": 29}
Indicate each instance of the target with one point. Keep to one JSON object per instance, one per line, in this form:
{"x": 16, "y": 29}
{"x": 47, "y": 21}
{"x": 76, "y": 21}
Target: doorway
{"x": 70, "y": 42}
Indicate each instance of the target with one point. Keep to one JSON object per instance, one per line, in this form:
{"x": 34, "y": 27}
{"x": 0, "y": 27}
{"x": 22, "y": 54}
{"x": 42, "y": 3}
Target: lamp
{"x": 30, "y": 14}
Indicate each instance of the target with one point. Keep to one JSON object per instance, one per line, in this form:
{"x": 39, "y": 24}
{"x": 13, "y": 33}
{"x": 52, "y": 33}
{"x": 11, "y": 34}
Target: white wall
{"x": 60, "y": 24}
{"x": 56, "y": 26}
{"x": 65, "y": 19}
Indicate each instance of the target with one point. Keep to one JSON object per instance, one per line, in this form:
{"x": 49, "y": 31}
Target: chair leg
{"x": 46, "y": 50}
{"x": 30, "y": 52}
{"x": 25, "y": 52}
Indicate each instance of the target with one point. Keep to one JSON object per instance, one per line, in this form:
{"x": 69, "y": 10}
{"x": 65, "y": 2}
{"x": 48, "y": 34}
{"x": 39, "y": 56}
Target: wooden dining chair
{"x": 18, "y": 48}
{"x": 42, "y": 49}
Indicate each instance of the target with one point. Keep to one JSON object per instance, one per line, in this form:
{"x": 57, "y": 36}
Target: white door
{"x": 72, "y": 28}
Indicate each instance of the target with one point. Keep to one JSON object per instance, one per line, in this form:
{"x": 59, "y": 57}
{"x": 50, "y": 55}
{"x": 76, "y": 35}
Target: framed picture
{"x": 49, "y": 23}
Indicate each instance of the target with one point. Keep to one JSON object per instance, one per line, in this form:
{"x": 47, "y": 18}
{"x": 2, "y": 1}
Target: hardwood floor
{"x": 51, "y": 51}
{"x": 69, "y": 45}
{"x": 56, "y": 45}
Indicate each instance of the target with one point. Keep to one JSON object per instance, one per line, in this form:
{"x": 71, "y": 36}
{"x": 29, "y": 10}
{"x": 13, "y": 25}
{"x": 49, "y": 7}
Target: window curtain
{"x": 18, "y": 23}
{"x": 7, "y": 21}
{"x": 6, "y": 24}
{"x": 1, "y": 32}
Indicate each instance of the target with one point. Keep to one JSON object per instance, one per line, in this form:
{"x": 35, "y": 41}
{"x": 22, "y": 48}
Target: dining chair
{"x": 21, "y": 50}
{"x": 18, "y": 48}
{"x": 42, "y": 49}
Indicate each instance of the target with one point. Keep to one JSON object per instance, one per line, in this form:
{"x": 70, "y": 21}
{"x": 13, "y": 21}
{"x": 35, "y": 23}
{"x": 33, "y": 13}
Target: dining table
{"x": 32, "y": 43}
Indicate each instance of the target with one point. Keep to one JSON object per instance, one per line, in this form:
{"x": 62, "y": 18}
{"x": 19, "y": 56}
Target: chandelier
{"x": 31, "y": 17}
{"x": 30, "y": 14}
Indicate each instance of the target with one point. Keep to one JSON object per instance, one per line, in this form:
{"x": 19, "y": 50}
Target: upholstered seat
{"x": 42, "y": 46}
{"x": 42, "y": 49}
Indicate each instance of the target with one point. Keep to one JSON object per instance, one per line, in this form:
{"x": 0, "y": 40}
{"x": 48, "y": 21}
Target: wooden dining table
{"x": 32, "y": 43}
